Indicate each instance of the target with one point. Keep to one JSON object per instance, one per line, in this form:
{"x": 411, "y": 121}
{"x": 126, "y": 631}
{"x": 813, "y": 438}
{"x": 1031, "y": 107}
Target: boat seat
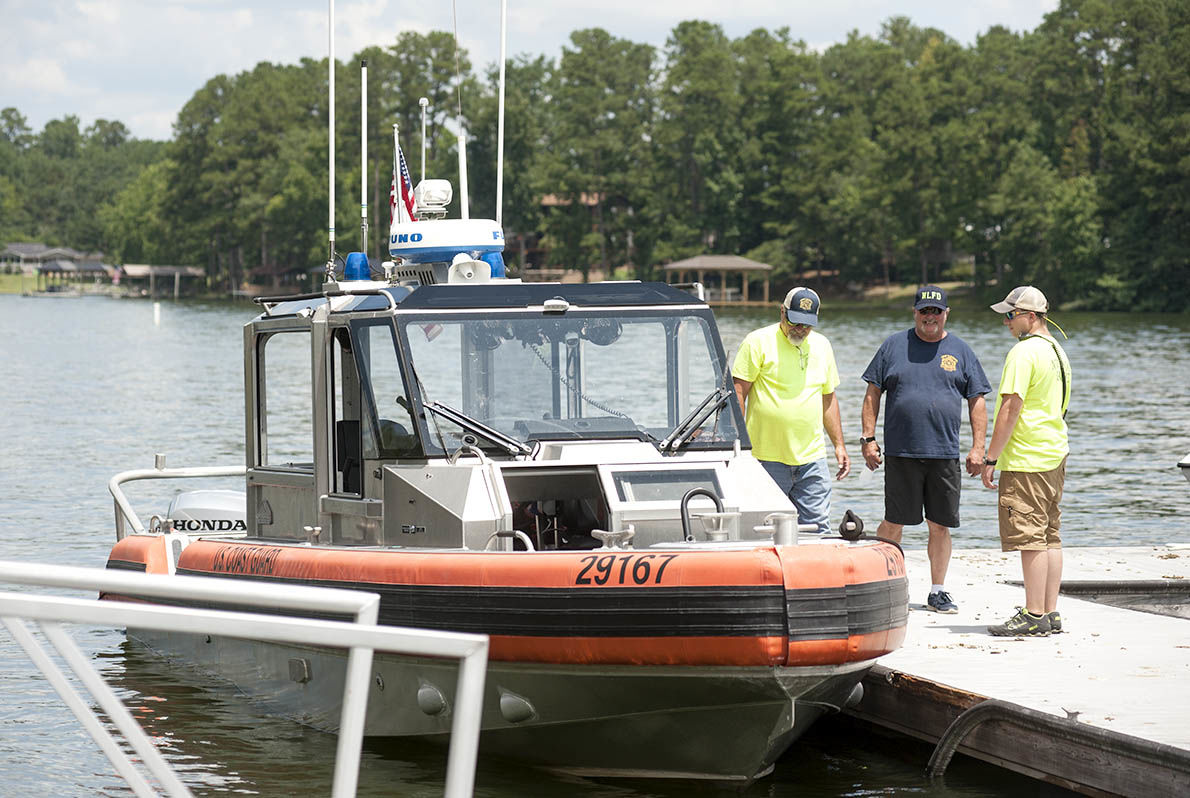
{"x": 347, "y": 454}
{"x": 396, "y": 440}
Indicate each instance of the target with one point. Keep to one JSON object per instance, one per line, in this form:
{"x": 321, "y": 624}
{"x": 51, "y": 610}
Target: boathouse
{"x": 736, "y": 279}
{"x": 140, "y": 273}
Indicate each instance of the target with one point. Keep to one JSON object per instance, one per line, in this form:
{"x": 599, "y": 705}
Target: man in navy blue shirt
{"x": 927, "y": 373}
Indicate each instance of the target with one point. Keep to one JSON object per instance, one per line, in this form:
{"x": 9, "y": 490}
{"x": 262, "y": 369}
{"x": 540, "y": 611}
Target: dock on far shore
{"x": 1102, "y": 709}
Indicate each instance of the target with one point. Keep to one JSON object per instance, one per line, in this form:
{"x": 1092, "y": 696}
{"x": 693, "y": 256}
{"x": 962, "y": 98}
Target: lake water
{"x": 92, "y": 386}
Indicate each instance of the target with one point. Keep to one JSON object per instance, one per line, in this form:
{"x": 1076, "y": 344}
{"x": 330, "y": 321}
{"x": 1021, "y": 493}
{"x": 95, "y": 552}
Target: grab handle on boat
{"x": 469, "y": 446}
{"x": 686, "y": 533}
{"x": 510, "y": 534}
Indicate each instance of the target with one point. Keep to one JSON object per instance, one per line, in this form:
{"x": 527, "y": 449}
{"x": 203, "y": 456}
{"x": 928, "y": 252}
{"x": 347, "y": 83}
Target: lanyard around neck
{"x": 1061, "y": 368}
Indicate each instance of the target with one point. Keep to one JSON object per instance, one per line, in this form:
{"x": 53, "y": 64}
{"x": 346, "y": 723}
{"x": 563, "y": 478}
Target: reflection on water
{"x": 93, "y": 386}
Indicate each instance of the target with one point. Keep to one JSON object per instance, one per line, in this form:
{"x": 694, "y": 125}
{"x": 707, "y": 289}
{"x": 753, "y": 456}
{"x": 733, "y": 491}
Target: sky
{"x": 140, "y": 61}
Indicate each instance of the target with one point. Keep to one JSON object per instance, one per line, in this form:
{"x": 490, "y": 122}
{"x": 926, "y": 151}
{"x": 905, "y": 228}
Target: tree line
{"x": 1056, "y": 157}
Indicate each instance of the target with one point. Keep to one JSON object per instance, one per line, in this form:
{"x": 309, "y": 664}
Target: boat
{"x": 562, "y": 467}
{"x": 1184, "y": 465}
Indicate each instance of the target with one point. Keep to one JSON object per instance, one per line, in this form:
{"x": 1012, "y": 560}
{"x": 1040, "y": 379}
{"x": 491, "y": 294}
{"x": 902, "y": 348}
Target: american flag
{"x": 406, "y": 191}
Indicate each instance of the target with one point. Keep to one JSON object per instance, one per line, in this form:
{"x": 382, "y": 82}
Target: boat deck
{"x": 1115, "y": 685}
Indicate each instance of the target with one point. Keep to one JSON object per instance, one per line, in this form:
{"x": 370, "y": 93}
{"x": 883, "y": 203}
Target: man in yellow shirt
{"x": 785, "y": 378}
{"x": 1029, "y": 445}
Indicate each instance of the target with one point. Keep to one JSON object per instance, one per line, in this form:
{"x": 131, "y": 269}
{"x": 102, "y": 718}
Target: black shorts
{"x": 911, "y": 483}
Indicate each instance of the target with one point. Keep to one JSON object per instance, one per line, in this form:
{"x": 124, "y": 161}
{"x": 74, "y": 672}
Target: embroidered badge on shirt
{"x": 949, "y": 362}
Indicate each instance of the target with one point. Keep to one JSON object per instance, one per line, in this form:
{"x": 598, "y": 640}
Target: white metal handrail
{"x": 360, "y": 638}
{"x": 124, "y": 508}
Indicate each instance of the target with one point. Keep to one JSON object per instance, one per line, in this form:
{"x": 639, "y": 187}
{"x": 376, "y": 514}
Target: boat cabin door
{"x": 368, "y": 424}
{"x": 326, "y": 408}
{"x": 279, "y": 416}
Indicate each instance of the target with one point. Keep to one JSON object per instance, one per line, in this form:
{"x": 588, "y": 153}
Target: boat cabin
{"x": 501, "y": 415}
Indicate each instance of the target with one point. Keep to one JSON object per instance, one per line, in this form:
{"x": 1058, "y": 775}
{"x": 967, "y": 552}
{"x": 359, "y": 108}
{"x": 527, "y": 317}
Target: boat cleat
{"x": 619, "y": 539}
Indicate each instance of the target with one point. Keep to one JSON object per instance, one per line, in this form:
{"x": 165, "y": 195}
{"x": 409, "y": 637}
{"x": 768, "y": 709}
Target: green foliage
{"x": 527, "y": 122}
{"x": 600, "y": 107}
{"x": 11, "y": 221}
{"x": 1056, "y": 156}
{"x": 135, "y": 231}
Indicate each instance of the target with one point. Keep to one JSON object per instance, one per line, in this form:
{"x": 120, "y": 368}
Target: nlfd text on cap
{"x": 930, "y": 296}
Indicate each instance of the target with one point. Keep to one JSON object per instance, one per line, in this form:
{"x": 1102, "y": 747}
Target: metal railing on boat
{"x": 159, "y": 471}
{"x": 360, "y": 637}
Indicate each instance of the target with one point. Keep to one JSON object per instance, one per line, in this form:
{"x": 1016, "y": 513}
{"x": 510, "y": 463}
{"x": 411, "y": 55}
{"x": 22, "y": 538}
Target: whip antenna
{"x": 423, "y": 102}
{"x": 500, "y": 115}
{"x": 464, "y": 204}
{"x": 330, "y": 148}
{"x": 363, "y": 147}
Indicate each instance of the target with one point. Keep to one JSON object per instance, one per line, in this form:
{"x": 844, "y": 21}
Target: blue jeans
{"x": 808, "y": 487}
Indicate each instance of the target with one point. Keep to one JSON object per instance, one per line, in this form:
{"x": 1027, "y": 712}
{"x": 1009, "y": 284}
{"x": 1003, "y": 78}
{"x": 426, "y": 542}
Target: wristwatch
{"x": 863, "y": 440}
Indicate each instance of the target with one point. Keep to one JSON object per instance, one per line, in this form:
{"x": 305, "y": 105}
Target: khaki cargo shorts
{"x": 1029, "y": 514}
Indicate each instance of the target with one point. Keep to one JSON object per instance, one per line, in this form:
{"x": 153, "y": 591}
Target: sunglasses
{"x": 930, "y": 311}
{"x": 1012, "y": 314}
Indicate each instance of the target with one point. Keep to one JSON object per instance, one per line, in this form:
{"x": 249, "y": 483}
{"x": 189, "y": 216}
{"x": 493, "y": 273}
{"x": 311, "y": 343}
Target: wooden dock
{"x": 1102, "y": 709}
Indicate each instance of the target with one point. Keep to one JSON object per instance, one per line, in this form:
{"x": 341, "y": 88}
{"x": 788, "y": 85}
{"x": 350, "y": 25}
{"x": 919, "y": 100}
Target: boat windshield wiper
{"x": 686, "y": 428}
{"x": 509, "y": 444}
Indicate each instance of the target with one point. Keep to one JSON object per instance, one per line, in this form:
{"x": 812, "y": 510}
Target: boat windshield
{"x": 528, "y": 376}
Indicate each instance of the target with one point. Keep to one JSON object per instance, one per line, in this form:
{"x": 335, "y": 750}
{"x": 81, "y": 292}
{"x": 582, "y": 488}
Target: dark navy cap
{"x": 930, "y": 296}
{"x": 801, "y": 306}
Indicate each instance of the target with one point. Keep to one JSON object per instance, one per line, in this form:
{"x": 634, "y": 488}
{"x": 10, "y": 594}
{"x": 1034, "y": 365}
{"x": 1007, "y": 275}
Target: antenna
{"x": 464, "y": 208}
{"x": 463, "y": 203}
{"x": 330, "y": 150}
{"x": 363, "y": 147}
{"x": 423, "y": 102}
{"x": 500, "y": 116}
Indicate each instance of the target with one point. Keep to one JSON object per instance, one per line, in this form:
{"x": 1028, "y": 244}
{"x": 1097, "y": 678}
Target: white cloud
{"x": 100, "y": 10}
{"x": 152, "y": 124}
{"x": 40, "y": 75}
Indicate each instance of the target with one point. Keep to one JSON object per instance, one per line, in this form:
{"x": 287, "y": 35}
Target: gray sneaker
{"x": 1055, "y": 619}
{"x": 1022, "y": 624}
{"x": 942, "y": 602}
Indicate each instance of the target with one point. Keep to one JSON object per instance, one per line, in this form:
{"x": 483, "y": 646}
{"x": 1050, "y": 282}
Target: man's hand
{"x": 989, "y": 474}
{"x": 975, "y": 461}
{"x": 844, "y": 462}
{"x": 871, "y": 453}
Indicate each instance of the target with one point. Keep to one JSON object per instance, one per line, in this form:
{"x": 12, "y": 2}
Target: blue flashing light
{"x": 356, "y": 267}
{"x": 496, "y": 261}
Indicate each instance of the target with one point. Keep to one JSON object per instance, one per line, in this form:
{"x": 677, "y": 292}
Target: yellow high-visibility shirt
{"x": 1039, "y": 439}
{"x": 784, "y": 406}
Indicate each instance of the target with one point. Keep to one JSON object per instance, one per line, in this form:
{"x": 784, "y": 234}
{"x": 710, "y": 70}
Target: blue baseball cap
{"x": 930, "y": 296}
{"x": 801, "y": 306}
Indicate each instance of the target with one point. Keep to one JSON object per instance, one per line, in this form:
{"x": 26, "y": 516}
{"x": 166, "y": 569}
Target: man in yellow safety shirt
{"x": 1029, "y": 446}
{"x": 785, "y": 378}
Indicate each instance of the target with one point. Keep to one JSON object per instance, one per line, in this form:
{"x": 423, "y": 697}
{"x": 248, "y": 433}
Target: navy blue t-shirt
{"x": 925, "y": 385}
